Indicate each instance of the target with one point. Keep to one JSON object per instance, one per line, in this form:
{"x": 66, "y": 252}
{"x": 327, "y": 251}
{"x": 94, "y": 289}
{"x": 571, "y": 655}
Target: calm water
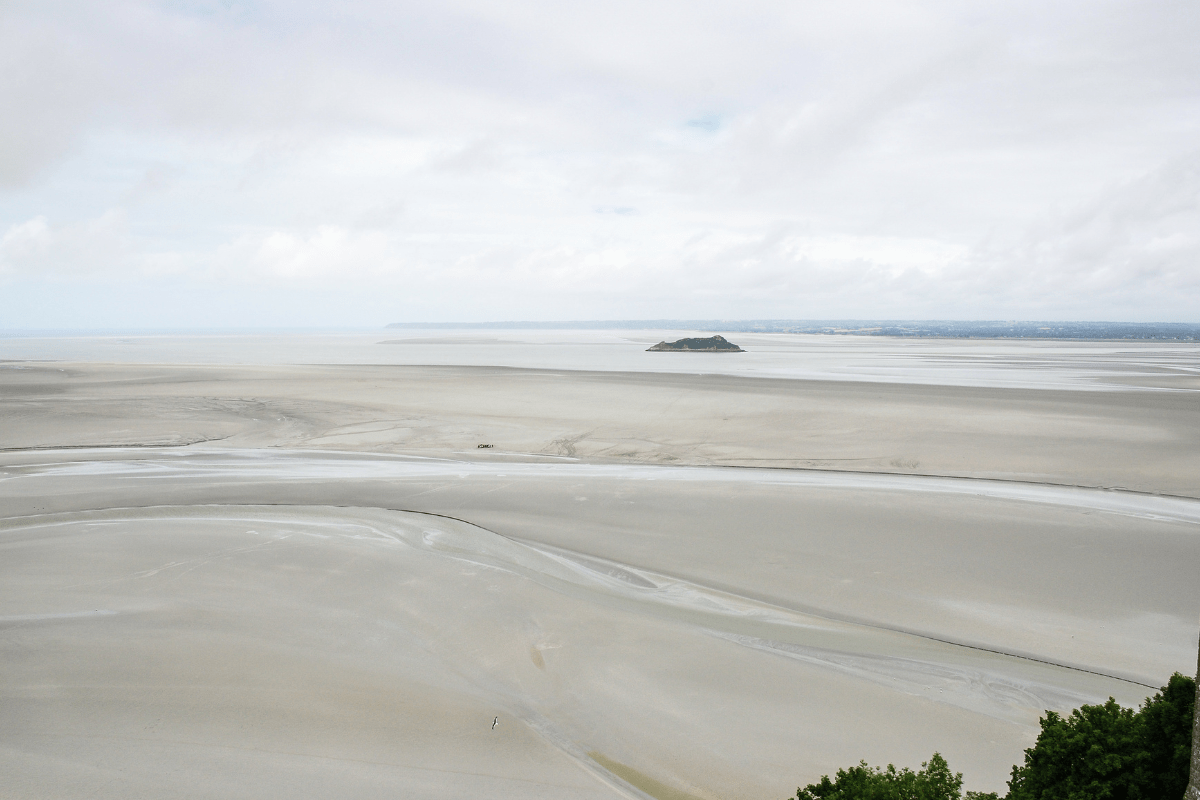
{"x": 1025, "y": 364}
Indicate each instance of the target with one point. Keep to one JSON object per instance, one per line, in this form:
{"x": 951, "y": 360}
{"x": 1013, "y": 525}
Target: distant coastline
{"x": 942, "y": 329}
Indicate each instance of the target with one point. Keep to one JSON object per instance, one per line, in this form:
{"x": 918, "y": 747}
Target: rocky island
{"x": 712, "y": 344}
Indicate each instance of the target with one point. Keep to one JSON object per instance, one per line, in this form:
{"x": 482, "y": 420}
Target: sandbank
{"x": 293, "y": 580}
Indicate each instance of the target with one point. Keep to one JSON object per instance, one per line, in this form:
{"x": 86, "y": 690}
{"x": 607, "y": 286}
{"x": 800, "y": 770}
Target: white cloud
{"x": 754, "y": 159}
{"x": 24, "y": 243}
{"x": 328, "y": 252}
{"x": 90, "y": 246}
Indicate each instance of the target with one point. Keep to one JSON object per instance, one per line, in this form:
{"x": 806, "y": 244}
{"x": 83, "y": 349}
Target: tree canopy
{"x": 1097, "y": 752}
{"x": 934, "y": 781}
{"x": 1106, "y": 752}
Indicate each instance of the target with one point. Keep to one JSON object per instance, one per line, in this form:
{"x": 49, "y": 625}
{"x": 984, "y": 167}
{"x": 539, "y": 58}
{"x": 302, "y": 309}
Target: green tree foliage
{"x": 1102, "y": 752}
{"x": 1107, "y": 752}
{"x": 1093, "y": 753}
{"x": 934, "y": 781}
{"x": 1167, "y": 720}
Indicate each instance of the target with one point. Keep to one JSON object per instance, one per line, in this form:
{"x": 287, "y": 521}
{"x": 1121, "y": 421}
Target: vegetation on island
{"x": 1100, "y": 752}
{"x": 712, "y": 344}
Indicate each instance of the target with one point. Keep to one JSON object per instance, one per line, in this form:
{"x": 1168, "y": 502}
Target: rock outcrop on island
{"x": 713, "y": 344}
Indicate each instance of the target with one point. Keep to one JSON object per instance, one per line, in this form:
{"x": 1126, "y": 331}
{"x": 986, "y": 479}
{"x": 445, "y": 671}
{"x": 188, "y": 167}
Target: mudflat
{"x": 1120, "y": 438}
{"x": 307, "y": 579}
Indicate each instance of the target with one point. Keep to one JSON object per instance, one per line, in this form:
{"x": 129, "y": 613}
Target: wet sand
{"x": 1141, "y": 440}
{"x": 306, "y": 580}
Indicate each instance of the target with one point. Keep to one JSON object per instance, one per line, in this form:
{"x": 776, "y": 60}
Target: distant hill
{"x": 944, "y": 329}
{"x": 713, "y": 344}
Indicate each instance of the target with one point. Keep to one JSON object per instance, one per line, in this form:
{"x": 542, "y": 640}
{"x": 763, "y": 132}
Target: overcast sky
{"x": 301, "y": 163}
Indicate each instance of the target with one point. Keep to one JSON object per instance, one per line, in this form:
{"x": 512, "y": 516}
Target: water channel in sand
{"x": 605, "y": 624}
{"x": 325, "y": 589}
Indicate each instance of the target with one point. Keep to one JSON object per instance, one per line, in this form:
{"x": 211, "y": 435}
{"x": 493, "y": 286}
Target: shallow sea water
{"x": 1018, "y": 364}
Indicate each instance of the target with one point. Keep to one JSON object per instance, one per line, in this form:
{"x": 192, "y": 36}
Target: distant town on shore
{"x": 945, "y": 329}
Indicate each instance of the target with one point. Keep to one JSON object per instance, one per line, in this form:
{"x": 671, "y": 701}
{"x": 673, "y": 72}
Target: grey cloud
{"x": 1137, "y": 239}
{"x": 778, "y": 154}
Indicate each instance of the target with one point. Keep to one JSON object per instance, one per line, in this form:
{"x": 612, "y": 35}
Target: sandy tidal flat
{"x": 305, "y": 580}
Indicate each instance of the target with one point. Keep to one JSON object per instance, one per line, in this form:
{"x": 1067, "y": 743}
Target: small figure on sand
{"x": 495, "y": 722}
